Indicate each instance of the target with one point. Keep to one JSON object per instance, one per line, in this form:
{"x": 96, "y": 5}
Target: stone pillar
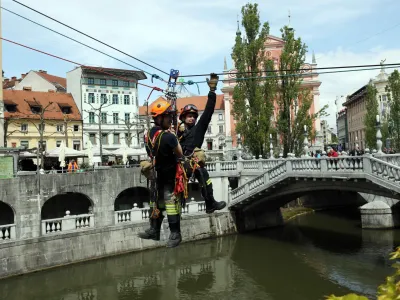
{"x": 377, "y": 214}
{"x": 1, "y": 94}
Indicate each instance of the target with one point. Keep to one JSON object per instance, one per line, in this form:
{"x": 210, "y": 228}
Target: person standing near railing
{"x": 72, "y": 166}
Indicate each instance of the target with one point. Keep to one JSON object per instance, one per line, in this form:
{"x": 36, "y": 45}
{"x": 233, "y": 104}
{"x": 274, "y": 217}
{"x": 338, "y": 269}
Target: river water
{"x": 312, "y": 256}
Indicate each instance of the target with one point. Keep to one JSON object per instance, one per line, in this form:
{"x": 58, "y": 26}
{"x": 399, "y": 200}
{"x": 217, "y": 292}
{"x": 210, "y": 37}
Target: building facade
{"x": 273, "y": 48}
{"x": 342, "y": 129}
{"x": 108, "y": 101}
{"x": 356, "y": 109}
{"x": 29, "y": 114}
{"x": 327, "y": 132}
{"x": 41, "y": 81}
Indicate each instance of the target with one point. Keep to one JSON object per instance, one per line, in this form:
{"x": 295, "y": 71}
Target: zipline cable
{"x": 87, "y": 35}
{"x": 83, "y": 44}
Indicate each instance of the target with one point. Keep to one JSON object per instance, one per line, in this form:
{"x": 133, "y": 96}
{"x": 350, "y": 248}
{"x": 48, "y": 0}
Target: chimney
{"x": 43, "y": 71}
{"x": 23, "y": 76}
{"x": 13, "y": 78}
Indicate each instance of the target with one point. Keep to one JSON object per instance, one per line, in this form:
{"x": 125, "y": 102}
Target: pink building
{"x": 274, "y": 46}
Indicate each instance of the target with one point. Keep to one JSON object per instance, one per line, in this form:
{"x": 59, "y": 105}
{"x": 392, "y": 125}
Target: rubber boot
{"x": 211, "y": 204}
{"x": 175, "y": 237}
{"x": 153, "y": 233}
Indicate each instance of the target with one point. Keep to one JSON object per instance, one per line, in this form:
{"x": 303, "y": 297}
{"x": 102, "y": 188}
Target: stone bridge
{"x": 256, "y": 202}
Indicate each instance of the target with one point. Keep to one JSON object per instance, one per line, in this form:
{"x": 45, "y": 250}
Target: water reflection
{"x": 313, "y": 256}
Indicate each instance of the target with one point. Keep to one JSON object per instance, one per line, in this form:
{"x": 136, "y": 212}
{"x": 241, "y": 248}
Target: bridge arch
{"x": 7, "y": 214}
{"x": 128, "y": 197}
{"x": 56, "y": 206}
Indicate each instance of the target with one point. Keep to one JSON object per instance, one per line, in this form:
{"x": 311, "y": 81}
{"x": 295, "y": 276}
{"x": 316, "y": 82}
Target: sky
{"x": 195, "y": 36}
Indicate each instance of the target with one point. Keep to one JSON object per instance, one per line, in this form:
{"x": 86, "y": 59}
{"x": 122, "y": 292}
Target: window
{"x": 221, "y": 128}
{"x": 209, "y": 145}
{"x": 24, "y": 127}
{"x": 59, "y": 128}
{"x": 91, "y": 117}
{"x": 104, "y": 138}
{"x": 115, "y": 118}
{"x": 220, "y": 117}
{"x": 126, "y": 83}
{"x": 90, "y": 81}
{"x": 103, "y": 82}
{"x": 127, "y": 115}
{"x": 91, "y": 98}
{"x": 92, "y": 138}
{"x": 116, "y": 138}
{"x": 209, "y": 129}
{"x": 76, "y": 128}
{"x": 41, "y": 127}
{"x": 137, "y": 101}
{"x": 58, "y": 144}
{"x": 384, "y": 98}
{"x": 115, "y": 83}
{"x": 25, "y": 144}
{"x": 126, "y": 99}
{"x": 104, "y": 118}
{"x": 76, "y": 145}
{"x": 10, "y": 107}
{"x": 103, "y": 98}
{"x": 66, "y": 110}
{"x": 36, "y": 109}
{"x": 115, "y": 99}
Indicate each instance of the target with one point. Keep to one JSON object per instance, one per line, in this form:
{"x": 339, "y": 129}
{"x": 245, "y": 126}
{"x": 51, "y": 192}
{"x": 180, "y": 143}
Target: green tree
{"x": 371, "y": 105}
{"x": 294, "y": 101}
{"x": 253, "y": 99}
{"x": 393, "y": 89}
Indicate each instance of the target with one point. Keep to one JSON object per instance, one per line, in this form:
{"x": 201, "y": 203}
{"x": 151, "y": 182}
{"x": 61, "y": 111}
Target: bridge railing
{"x": 137, "y": 214}
{"x": 7, "y": 232}
{"x": 310, "y": 165}
{"x": 67, "y": 223}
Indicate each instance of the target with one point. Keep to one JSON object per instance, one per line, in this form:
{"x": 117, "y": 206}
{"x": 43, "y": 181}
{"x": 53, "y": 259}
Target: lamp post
{"x": 271, "y": 147}
{"x": 378, "y": 136}
{"x": 305, "y": 141}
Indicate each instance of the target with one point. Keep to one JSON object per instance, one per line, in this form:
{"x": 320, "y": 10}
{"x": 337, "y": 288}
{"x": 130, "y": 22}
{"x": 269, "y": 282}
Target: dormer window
{"x": 10, "y": 106}
{"x": 65, "y": 108}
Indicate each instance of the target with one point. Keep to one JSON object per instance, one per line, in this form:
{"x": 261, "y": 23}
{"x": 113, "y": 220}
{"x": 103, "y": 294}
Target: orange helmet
{"x": 161, "y": 107}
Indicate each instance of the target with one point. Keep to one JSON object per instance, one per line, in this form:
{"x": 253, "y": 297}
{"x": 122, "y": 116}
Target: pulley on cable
{"x": 171, "y": 95}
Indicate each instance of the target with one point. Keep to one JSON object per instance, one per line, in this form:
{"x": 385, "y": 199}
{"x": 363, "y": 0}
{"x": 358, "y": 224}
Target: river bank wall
{"x": 35, "y": 254}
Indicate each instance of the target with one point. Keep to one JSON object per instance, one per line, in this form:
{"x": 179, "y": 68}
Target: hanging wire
{"x": 87, "y": 35}
{"x": 83, "y": 44}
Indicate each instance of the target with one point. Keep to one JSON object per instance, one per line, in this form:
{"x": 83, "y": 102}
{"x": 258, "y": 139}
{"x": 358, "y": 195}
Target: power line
{"x": 90, "y": 47}
{"x": 305, "y": 69}
{"x": 190, "y": 82}
{"x": 73, "y": 62}
{"x": 97, "y": 40}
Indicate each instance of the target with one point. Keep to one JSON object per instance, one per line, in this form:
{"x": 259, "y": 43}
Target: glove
{"x": 181, "y": 127}
{"x": 212, "y": 82}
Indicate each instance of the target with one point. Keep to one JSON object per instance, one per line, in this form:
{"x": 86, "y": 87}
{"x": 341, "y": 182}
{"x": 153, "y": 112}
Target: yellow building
{"x": 28, "y": 115}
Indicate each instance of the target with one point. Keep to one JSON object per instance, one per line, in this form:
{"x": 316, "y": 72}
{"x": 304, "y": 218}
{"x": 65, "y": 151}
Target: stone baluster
{"x": 136, "y": 214}
{"x": 193, "y": 206}
{"x": 68, "y": 223}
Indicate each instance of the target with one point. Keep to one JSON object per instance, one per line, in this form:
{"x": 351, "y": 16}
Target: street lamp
{"x": 378, "y": 136}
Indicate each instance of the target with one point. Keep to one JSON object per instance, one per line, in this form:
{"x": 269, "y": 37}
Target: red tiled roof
{"x": 53, "y": 112}
{"x": 10, "y": 83}
{"x": 53, "y": 79}
{"x": 199, "y": 101}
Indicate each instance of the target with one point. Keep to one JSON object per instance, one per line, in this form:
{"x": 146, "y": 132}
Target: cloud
{"x": 344, "y": 84}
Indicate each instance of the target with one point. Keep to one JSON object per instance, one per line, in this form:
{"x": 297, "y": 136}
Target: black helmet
{"x": 190, "y": 108}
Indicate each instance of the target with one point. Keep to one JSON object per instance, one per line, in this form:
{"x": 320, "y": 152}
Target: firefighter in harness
{"x": 191, "y": 137}
{"x": 163, "y": 148}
